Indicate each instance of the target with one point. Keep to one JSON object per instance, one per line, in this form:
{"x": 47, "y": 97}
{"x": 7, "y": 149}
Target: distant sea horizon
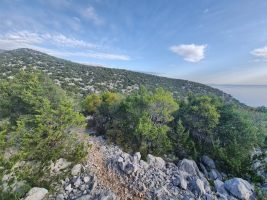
{"x": 251, "y": 95}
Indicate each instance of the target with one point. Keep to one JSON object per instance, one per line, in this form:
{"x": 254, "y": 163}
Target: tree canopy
{"x": 36, "y": 117}
{"x": 154, "y": 122}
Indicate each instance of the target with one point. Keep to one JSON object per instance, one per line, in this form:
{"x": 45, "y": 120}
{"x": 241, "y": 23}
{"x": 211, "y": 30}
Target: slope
{"x": 84, "y": 79}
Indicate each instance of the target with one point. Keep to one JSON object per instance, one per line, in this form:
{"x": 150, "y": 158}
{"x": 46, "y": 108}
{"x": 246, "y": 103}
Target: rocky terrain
{"x": 109, "y": 173}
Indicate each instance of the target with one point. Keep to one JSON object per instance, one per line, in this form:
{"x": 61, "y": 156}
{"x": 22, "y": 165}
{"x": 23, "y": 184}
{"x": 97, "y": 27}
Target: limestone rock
{"x": 155, "y": 161}
{"x": 59, "y": 165}
{"x": 136, "y": 157}
{"x": 78, "y": 182}
{"x": 76, "y": 170}
{"x": 86, "y": 179}
{"x": 239, "y": 188}
{"x": 214, "y": 174}
{"x": 189, "y": 166}
{"x": 181, "y": 182}
{"x": 219, "y": 186}
{"x": 198, "y": 187}
{"x": 36, "y": 194}
{"x": 68, "y": 188}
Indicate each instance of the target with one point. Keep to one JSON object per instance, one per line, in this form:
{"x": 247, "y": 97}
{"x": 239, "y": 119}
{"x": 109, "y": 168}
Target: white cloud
{"x": 66, "y": 41}
{"x": 24, "y": 38}
{"x": 79, "y": 48}
{"x": 90, "y": 14}
{"x": 190, "y": 52}
{"x": 260, "y": 52}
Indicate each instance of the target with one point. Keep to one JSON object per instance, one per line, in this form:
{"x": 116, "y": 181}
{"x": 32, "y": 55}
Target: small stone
{"x": 198, "y": 187}
{"x": 143, "y": 164}
{"x": 36, "y": 194}
{"x": 78, "y": 182}
{"x": 189, "y": 166}
{"x": 60, "y": 197}
{"x": 156, "y": 162}
{"x": 219, "y": 186}
{"x": 214, "y": 174}
{"x": 68, "y": 188}
{"x": 76, "y": 170}
{"x": 136, "y": 157}
{"x": 180, "y": 181}
{"x": 82, "y": 187}
{"x": 120, "y": 159}
{"x": 59, "y": 165}
{"x": 86, "y": 179}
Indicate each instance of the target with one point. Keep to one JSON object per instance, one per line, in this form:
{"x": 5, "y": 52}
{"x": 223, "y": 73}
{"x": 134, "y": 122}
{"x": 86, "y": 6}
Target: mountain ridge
{"x": 84, "y": 79}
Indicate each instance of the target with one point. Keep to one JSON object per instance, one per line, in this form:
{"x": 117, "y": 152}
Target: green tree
{"x": 236, "y": 137}
{"x": 200, "y": 117}
{"x": 91, "y": 103}
{"x": 36, "y": 119}
{"x": 182, "y": 144}
{"x": 143, "y": 118}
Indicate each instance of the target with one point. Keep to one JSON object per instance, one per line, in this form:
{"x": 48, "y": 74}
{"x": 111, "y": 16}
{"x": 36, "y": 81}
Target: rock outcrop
{"x": 239, "y": 188}
{"x": 111, "y": 174}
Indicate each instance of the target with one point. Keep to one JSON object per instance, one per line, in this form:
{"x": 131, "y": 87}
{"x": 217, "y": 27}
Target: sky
{"x": 207, "y": 41}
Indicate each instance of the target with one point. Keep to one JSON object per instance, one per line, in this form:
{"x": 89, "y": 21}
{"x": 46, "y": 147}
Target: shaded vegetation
{"x": 36, "y": 117}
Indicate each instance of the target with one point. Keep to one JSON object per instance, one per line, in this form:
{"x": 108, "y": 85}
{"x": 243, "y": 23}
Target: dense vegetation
{"x": 156, "y": 123}
{"x": 84, "y": 79}
{"x": 36, "y": 117}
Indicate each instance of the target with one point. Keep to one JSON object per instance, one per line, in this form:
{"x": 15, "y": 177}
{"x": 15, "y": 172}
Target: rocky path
{"x": 106, "y": 176}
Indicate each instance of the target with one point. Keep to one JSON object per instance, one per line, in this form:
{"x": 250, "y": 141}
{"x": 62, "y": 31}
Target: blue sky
{"x": 207, "y": 41}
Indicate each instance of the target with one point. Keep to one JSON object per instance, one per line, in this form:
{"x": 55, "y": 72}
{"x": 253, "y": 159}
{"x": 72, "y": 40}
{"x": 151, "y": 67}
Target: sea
{"x": 251, "y": 95}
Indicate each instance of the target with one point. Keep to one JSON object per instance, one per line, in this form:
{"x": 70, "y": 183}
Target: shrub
{"x": 36, "y": 118}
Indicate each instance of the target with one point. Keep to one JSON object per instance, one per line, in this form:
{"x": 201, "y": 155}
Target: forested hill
{"x": 85, "y": 79}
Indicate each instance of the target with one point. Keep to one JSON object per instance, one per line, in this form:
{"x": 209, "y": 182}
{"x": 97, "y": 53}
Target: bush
{"x": 138, "y": 122}
{"x": 154, "y": 122}
{"x": 200, "y": 117}
{"x": 236, "y": 138}
{"x": 36, "y": 119}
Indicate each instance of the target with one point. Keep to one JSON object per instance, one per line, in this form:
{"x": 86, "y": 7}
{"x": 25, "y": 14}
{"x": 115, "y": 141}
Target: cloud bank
{"x": 260, "y": 52}
{"x": 80, "y": 48}
{"x": 190, "y": 52}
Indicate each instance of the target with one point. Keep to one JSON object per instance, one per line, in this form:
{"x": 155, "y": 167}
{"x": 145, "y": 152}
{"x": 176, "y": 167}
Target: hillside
{"x": 143, "y": 145}
{"x": 86, "y": 79}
